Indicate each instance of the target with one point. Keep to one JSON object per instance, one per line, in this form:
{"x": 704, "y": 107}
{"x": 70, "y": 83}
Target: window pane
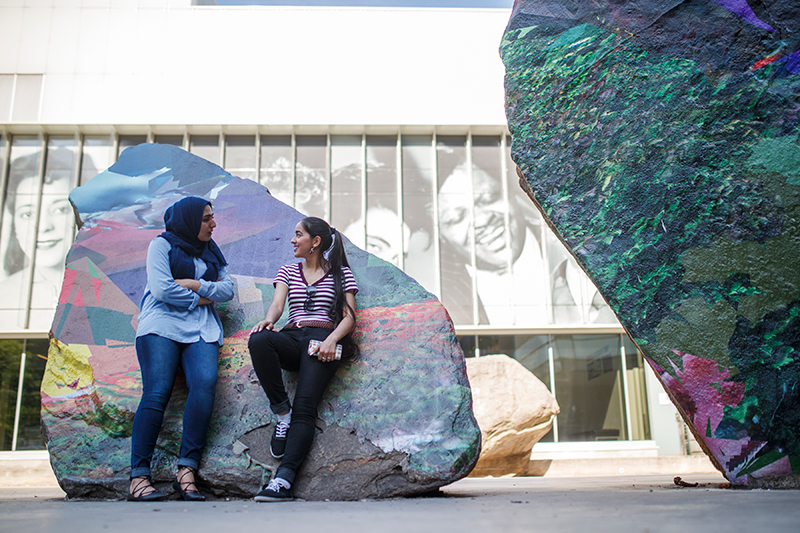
{"x": 574, "y": 297}
{"x": 96, "y": 156}
{"x": 10, "y": 351}
{"x": 529, "y": 274}
{"x": 566, "y": 294}
{"x": 637, "y": 394}
{"x": 29, "y": 433}
{"x": 126, "y": 141}
{"x": 418, "y": 186}
{"x": 311, "y": 175}
{"x": 276, "y": 166}
{"x": 240, "y": 156}
{"x": 56, "y": 223}
{"x": 205, "y": 146}
{"x": 495, "y": 286}
{"x": 588, "y": 378}
{"x": 18, "y": 239}
{"x": 467, "y": 343}
{"x": 456, "y": 229}
{"x": 387, "y": 235}
{"x": 174, "y": 140}
{"x": 347, "y": 164}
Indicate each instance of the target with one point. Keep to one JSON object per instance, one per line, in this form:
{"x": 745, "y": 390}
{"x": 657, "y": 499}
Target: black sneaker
{"x": 277, "y": 446}
{"x": 276, "y": 491}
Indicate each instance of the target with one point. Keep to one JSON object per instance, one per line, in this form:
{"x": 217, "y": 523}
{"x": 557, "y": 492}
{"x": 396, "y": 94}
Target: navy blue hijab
{"x": 183, "y": 220}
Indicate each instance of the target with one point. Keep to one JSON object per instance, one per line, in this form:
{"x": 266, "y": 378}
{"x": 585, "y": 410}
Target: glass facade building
{"x": 445, "y": 208}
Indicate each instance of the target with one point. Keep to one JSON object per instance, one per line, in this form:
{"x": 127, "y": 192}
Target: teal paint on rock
{"x": 667, "y": 165}
{"x": 397, "y": 421}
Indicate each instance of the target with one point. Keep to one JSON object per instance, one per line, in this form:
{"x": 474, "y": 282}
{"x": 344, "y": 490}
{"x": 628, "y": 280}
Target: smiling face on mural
{"x": 487, "y": 205}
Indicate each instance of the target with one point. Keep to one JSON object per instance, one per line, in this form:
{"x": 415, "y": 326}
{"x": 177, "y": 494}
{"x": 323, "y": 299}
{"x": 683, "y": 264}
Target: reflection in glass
{"x": 240, "y": 156}
{"x": 574, "y": 298}
{"x": 384, "y": 233}
{"x": 29, "y": 434}
{"x": 276, "y": 167}
{"x": 96, "y": 156}
{"x": 18, "y": 237}
{"x": 10, "y": 351}
{"x": 637, "y": 394}
{"x": 126, "y": 141}
{"x": 456, "y": 230}
{"x": 56, "y": 224}
{"x": 467, "y": 343}
{"x": 418, "y": 189}
{"x": 528, "y": 271}
{"x": 347, "y": 167}
{"x": 205, "y": 146}
{"x": 589, "y": 388}
{"x": 174, "y": 140}
{"x": 387, "y": 236}
{"x": 311, "y": 175}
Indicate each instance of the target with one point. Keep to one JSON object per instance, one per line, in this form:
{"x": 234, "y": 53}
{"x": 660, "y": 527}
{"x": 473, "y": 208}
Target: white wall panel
{"x": 200, "y": 65}
{"x": 93, "y": 41}
{"x": 10, "y": 38}
{"x": 62, "y": 50}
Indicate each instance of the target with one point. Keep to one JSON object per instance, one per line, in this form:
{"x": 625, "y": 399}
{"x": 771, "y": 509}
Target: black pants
{"x": 287, "y": 349}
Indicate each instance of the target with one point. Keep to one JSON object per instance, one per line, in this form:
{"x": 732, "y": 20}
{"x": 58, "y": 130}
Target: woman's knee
{"x": 262, "y": 344}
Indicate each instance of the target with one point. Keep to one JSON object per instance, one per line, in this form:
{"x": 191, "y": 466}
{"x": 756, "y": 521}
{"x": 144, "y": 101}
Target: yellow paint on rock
{"x": 68, "y": 369}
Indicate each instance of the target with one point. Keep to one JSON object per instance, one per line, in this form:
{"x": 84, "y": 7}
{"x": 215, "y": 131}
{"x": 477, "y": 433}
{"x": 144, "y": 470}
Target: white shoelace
{"x": 281, "y": 429}
{"x": 277, "y": 483}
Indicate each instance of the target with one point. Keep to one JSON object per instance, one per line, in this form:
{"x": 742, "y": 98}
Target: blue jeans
{"x": 272, "y": 351}
{"x": 159, "y": 359}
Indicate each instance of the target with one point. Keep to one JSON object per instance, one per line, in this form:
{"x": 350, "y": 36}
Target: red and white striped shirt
{"x": 321, "y": 301}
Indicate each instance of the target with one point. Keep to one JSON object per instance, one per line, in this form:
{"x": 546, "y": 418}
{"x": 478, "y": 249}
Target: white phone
{"x": 314, "y": 343}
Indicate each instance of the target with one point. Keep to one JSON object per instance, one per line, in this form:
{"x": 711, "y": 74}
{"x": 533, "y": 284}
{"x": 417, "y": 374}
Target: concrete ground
{"x": 647, "y": 503}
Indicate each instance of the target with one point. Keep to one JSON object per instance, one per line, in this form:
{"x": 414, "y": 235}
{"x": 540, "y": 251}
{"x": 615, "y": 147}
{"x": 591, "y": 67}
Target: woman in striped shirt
{"x": 321, "y": 293}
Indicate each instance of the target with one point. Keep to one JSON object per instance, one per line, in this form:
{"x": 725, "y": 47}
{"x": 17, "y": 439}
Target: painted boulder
{"x": 661, "y": 140}
{"x": 396, "y": 421}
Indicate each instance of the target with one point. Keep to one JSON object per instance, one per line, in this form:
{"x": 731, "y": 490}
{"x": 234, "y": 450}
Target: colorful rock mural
{"x": 661, "y": 140}
{"x": 396, "y": 421}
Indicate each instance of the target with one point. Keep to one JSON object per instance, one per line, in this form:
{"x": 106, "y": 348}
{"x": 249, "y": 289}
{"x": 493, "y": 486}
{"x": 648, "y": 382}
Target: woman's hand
{"x": 326, "y": 351}
{"x": 205, "y": 301}
{"x": 261, "y": 326}
{"x": 191, "y": 284}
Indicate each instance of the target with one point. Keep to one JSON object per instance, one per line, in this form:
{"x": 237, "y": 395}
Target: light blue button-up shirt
{"x": 170, "y": 311}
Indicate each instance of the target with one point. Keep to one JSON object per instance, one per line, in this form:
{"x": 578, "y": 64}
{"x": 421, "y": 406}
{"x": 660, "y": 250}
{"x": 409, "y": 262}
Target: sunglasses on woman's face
{"x": 308, "y": 305}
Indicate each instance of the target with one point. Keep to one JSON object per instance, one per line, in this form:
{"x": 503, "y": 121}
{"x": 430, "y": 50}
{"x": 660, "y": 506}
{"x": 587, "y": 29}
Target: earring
{"x": 311, "y": 251}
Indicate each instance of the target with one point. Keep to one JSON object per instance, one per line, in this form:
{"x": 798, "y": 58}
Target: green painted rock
{"x": 397, "y": 421}
{"x": 661, "y": 140}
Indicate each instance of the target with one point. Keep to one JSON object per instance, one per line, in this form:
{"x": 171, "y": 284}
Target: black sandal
{"x": 140, "y": 494}
{"x": 179, "y": 483}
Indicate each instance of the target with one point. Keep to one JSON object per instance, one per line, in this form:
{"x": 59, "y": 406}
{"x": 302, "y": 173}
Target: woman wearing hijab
{"x": 179, "y": 327}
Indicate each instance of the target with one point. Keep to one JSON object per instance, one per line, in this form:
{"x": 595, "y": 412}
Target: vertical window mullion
{"x": 400, "y": 205}
{"x": 35, "y": 233}
{"x": 328, "y": 177}
{"x": 364, "y": 191}
{"x": 257, "y": 176}
{"x": 18, "y": 407}
{"x": 6, "y": 159}
{"x": 552, "y": 369}
{"x": 436, "y": 233}
{"x": 625, "y": 395}
{"x": 507, "y": 219}
{"x": 471, "y": 230}
{"x": 294, "y": 170}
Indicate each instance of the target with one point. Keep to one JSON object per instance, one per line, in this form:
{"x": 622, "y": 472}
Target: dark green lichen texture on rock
{"x": 661, "y": 141}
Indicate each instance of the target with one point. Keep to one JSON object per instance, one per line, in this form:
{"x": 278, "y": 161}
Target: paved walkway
{"x": 532, "y": 504}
